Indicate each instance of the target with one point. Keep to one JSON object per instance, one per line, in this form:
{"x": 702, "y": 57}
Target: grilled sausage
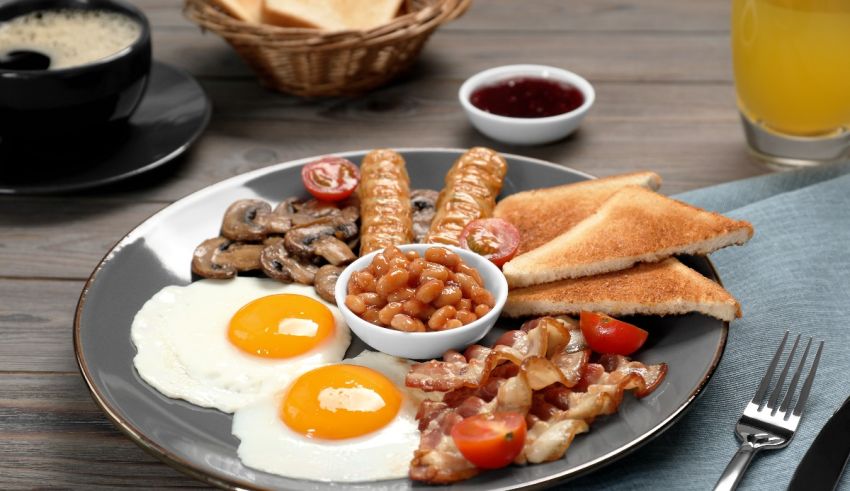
{"x": 384, "y": 193}
{"x": 470, "y": 193}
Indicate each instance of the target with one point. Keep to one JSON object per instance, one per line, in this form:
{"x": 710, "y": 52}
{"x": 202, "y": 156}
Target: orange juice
{"x": 792, "y": 64}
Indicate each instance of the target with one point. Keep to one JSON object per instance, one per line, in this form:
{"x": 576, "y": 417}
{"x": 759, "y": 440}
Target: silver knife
{"x": 824, "y": 462}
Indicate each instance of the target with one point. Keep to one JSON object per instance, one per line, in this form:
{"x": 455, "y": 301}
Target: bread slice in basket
{"x": 330, "y": 15}
{"x": 540, "y": 215}
{"x": 247, "y": 10}
{"x": 664, "y": 288}
{"x": 634, "y": 225}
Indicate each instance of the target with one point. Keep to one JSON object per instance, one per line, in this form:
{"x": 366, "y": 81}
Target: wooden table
{"x": 665, "y": 102}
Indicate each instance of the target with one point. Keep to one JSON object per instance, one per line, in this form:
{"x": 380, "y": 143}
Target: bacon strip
{"x": 544, "y": 373}
{"x": 548, "y": 337}
{"x": 437, "y": 460}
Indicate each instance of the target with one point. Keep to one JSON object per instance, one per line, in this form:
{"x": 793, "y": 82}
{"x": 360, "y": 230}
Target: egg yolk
{"x": 340, "y": 401}
{"x": 280, "y": 326}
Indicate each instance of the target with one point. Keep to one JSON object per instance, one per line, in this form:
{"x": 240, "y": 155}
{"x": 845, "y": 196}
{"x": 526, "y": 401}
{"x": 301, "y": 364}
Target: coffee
{"x": 56, "y": 39}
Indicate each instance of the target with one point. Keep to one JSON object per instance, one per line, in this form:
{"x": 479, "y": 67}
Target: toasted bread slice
{"x": 665, "y": 288}
{"x": 543, "y": 214}
{"x": 330, "y": 15}
{"x": 247, "y": 10}
{"x": 634, "y": 225}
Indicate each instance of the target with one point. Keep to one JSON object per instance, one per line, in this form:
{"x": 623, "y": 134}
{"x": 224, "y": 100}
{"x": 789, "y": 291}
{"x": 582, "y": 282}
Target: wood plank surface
{"x": 598, "y": 56}
{"x": 35, "y": 325}
{"x": 55, "y": 437}
{"x": 665, "y": 101}
{"x": 688, "y": 126}
{"x": 61, "y": 238}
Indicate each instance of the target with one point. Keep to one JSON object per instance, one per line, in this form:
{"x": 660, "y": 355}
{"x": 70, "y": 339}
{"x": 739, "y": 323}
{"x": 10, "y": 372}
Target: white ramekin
{"x": 425, "y": 345}
{"x": 525, "y": 131}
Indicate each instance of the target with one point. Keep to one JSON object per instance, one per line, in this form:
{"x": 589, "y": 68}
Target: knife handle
{"x": 823, "y": 464}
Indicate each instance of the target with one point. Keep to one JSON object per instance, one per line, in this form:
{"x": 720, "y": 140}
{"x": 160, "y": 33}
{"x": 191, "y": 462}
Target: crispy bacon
{"x": 543, "y": 371}
{"x": 437, "y": 460}
{"x": 548, "y": 440}
{"x": 548, "y": 337}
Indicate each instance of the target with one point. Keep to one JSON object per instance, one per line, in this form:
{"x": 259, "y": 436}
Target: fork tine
{"x": 792, "y": 387}
{"x": 807, "y": 386}
{"x": 774, "y": 396}
{"x": 765, "y": 381}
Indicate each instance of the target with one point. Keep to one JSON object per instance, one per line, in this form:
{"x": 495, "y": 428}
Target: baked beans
{"x": 406, "y": 292}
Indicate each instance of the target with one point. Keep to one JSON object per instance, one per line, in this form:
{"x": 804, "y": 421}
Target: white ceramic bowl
{"x": 525, "y": 131}
{"x": 425, "y": 345}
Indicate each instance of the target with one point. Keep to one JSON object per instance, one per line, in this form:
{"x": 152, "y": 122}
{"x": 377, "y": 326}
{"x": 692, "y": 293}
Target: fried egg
{"x": 227, "y": 343}
{"x": 347, "y": 422}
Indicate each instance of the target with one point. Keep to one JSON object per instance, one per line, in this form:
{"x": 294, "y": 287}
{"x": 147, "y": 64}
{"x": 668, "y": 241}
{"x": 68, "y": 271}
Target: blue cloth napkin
{"x": 793, "y": 275}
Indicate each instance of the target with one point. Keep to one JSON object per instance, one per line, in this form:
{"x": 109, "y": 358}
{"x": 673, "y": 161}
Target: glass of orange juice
{"x": 792, "y": 75}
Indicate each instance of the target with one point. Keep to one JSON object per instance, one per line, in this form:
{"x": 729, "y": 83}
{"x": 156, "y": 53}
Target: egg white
{"x": 267, "y": 444}
{"x": 184, "y": 352}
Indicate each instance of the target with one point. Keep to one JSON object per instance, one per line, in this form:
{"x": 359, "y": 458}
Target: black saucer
{"x": 172, "y": 114}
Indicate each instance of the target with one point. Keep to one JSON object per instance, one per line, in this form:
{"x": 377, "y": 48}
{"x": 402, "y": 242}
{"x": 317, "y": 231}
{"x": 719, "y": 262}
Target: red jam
{"x": 527, "y": 97}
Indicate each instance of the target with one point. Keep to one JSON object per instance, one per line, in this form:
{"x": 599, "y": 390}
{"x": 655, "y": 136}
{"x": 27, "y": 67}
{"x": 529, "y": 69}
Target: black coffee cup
{"x": 37, "y": 106}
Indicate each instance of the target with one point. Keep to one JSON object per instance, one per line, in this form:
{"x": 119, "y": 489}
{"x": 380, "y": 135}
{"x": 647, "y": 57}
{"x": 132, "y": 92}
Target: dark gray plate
{"x": 198, "y": 441}
{"x": 171, "y": 116}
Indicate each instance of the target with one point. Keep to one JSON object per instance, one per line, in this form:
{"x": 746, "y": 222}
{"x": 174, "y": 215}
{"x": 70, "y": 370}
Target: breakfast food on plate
{"x": 247, "y": 10}
{"x": 493, "y": 238}
{"x": 309, "y": 242}
{"x": 664, "y": 288}
{"x": 543, "y": 214}
{"x": 634, "y": 225}
{"x": 226, "y": 344}
{"x": 346, "y": 422}
{"x": 385, "y": 210}
{"x": 472, "y": 185}
{"x": 288, "y": 243}
{"x": 330, "y": 178}
{"x": 545, "y": 373}
{"x": 272, "y": 353}
{"x": 409, "y": 293}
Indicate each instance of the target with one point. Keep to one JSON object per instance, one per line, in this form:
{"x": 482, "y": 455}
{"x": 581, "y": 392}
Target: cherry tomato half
{"x": 490, "y": 441}
{"x": 605, "y": 334}
{"x": 330, "y": 178}
{"x": 493, "y": 238}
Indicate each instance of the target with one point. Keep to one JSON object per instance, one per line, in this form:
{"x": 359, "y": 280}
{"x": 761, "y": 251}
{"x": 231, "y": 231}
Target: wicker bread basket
{"x": 313, "y": 63}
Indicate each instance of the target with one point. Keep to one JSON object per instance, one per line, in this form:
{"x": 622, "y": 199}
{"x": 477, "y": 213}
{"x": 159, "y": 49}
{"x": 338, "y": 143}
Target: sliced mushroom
{"x": 350, "y": 213}
{"x": 300, "y": 241}
{"x": 293, "y": 213}
{"x": 318, "y": 209}
{"x": 334, "y": 250}
{"x": 223, "y": 258}
{"x": 282, "y": 218}
{"x": 424, "y": 204}
{"x": 286, "y": 215}
{"x": 326, "y": 279}
{"x": 246, "y": 220}
{"x": 278, "y": 264}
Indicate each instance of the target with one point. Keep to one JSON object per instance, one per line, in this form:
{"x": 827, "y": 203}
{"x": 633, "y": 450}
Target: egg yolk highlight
{"x": 340, "y": 401}
{"x": 280, "y": 326}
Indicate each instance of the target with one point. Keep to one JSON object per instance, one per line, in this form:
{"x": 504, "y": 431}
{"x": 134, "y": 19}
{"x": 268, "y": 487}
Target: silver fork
{"x": 764, "y": 425}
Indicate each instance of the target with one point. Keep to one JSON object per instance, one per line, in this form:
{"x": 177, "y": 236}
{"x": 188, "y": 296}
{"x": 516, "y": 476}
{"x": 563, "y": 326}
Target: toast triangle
{"x": 634, "y": 225}
{"x": 540, "y": 215}
{"x": 664, "y": 288}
